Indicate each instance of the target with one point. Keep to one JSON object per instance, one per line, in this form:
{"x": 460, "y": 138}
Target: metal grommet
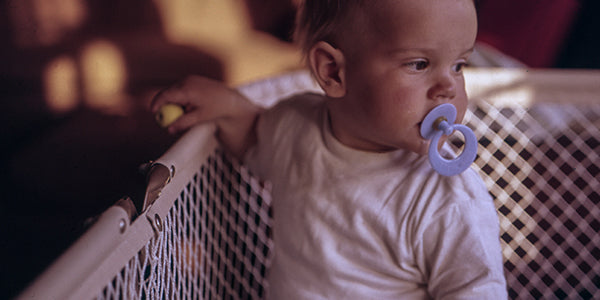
{"x": 122, "y": 226}
{"x": 172, "y": 172}
{"x": 158, "y": 222}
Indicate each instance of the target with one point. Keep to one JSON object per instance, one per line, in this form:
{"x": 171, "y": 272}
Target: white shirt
{"x": 350, "y": 224}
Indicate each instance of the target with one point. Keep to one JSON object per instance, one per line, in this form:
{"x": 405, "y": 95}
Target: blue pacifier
{"x": 440, "y": 121}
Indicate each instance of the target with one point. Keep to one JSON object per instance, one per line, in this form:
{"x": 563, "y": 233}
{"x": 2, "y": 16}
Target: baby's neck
{"x": 340, "y": 122}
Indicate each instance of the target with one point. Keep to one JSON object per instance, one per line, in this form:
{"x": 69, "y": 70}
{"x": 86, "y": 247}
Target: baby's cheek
{"x": 461, "y": 108}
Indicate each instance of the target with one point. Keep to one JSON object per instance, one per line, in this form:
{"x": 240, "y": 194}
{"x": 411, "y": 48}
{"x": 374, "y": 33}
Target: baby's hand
{"x": 205, "y": 100}
{"x": 202, "y": 99}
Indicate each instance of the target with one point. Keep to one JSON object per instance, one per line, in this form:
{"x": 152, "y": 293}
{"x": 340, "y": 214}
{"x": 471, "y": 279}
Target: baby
{"x": 359, "y": 213}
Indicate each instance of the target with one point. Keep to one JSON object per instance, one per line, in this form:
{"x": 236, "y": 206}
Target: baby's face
{"x": 402, "y": 58}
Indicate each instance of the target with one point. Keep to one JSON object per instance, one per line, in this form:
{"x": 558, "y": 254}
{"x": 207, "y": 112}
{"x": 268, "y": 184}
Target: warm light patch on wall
{"x": 222, "y": 28}
{"x": 60, "y": 80}
{"x": 214, "y": 25}
{"x": 104, "y": 76}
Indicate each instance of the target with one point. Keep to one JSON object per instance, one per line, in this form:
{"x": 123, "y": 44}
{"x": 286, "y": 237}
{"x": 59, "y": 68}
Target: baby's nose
{"x": 444, "y": 88}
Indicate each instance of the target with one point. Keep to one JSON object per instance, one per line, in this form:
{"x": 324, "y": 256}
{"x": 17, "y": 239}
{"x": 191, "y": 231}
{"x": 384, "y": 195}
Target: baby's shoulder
{"x": 470, "y": 184}
{"x": 299, "y": 103}
{"x": 466, "y": 185}
{"x": 431, "y": 189}
{"x": 293, "y": 111}
{"x": 466, "y": 195}
{"x": 289, "y": 118}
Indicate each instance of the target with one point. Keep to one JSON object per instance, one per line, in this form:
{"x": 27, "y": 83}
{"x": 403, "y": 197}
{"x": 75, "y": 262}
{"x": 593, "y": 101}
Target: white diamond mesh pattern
{"x": 541, "y": 165}
{"x": 215, "y": 242}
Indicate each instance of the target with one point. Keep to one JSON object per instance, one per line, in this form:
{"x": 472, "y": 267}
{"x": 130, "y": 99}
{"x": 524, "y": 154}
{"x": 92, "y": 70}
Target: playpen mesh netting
{"x": 215, "y": 242}
{"x": 544, "y": 177}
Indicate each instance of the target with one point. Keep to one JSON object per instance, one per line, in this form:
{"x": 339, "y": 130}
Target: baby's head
{"x": 384, "y": 64}
{"x": 322, "y": 20}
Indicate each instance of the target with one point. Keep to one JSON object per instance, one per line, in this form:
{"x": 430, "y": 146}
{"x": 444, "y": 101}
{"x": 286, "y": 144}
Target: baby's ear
{"x": 328, "y": 66}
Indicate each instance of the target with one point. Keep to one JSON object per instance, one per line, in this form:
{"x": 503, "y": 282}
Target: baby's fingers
{"x": 169, "y": 95}
{"x": 186, "y": 121}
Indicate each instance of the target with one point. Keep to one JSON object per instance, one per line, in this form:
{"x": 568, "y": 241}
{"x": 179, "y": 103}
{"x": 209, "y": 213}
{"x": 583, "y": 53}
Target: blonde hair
{"x": 319, "y": 20}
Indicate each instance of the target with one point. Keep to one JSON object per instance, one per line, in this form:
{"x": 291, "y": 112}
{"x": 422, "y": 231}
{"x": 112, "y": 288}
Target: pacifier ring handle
{"x": 440, "y": 121}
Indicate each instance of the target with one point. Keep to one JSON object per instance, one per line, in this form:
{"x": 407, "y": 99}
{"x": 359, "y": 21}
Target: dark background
{"x": 59, "y": 169}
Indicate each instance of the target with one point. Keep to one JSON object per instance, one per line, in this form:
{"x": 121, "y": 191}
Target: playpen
{"x": 203, "y": 230}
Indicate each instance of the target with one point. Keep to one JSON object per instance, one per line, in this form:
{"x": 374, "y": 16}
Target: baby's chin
{"x": 422, "y": 148}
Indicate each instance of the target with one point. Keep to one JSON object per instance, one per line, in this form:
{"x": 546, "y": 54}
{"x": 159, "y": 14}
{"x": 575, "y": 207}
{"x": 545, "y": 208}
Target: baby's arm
{"x": 205, "y": 100}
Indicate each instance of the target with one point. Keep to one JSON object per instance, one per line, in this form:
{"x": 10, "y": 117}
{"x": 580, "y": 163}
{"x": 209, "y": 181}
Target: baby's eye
{"x": 459, "y": 67}
{"x": 417, "y": 65}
